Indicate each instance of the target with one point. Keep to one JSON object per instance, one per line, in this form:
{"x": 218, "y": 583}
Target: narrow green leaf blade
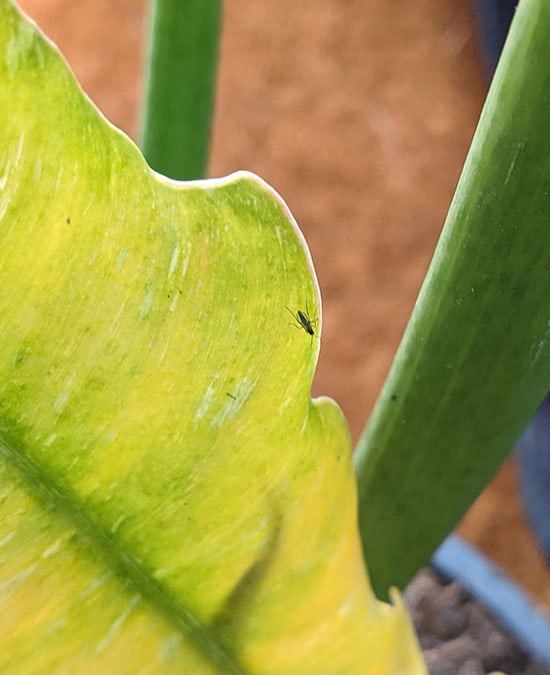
{"x": 180, "y": 85}
{"x": 475, "y": 360}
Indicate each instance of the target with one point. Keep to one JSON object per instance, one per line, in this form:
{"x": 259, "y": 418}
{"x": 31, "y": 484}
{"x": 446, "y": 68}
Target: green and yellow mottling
{"x": 171, "y": 498}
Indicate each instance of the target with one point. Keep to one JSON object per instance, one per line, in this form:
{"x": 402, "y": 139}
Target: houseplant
{"x": 255, "y": 315}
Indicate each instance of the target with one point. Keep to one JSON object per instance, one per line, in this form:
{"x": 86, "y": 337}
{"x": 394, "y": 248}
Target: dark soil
{"x": 456, "y": 633}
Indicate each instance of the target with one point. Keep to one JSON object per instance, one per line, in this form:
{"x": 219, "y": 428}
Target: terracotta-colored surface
{"x": 360, "y": 113}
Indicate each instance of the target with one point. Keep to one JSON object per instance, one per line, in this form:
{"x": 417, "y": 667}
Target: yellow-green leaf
{"x": 171, "y": 498}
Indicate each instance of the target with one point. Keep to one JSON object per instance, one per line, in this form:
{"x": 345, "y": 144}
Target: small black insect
{"x": 230, "y": 395}
{"x": 303, "y": 320}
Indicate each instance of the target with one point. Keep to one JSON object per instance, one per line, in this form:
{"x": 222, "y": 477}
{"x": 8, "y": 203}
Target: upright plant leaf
{"x": 172, "y": 500}
{"x": 475, "y": 360}
{"x": 180, "y": 85}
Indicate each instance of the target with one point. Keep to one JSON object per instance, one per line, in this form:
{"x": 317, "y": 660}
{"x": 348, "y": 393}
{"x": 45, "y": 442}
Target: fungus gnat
{"x": 303, "y": 320}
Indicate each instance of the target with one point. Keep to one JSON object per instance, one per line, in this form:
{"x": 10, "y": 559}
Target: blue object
{"x": 493, "y": 20}
{"x": 498, "y": 593}
{"x": 533, "y": 454}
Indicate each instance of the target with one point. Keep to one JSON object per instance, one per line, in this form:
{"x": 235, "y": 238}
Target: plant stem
{"x": 180, "y": 83}
{"x": 474, "y": 363}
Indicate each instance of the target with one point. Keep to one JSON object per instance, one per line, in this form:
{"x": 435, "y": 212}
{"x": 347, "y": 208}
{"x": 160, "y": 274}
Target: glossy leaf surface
{"x": 172, "y": 499}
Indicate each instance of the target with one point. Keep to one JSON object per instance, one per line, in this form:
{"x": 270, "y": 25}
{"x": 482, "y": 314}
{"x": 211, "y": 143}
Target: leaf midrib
{"x": 45, "y": 489}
